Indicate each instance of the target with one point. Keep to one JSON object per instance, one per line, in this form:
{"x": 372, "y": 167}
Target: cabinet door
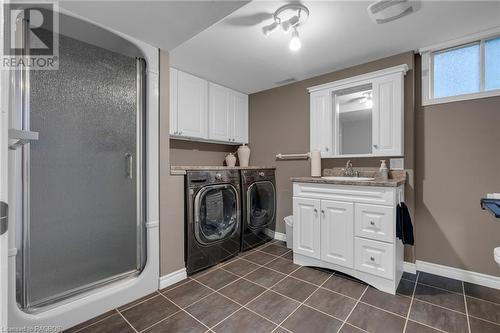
{"x": 218, "y": 112}
{"x": 173, "y": 101}
{"x": 321, "y": 123}
{"x": 337, "y": 232}
{"x": 239, "y": 117}
{"x": 192, "y": 106}
{"x": 306, "y": 227}
{"x": 388, "y": 115}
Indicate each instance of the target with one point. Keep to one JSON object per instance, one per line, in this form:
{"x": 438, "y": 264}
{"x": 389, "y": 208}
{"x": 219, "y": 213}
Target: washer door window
{"x": 216, "y": 213}
{"x": 261, "y": 204}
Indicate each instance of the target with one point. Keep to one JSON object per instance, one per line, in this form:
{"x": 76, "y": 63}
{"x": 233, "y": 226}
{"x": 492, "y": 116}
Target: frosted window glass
{"x": 492, "y": 64}
{"x": 456, "y": 72}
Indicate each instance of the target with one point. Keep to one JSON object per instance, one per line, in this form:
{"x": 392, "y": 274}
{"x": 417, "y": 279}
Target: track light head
{"x": 269, "y": 29}
{"x": 289, "y": 24}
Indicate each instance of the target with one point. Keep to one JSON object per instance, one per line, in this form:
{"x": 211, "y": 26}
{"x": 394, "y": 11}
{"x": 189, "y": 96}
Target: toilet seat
{"x": 496, "y": 255}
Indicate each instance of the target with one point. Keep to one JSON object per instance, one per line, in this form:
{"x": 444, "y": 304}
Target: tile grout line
{"x": 244, "y": 306}
{"x": 96, "y": 322}
{"x": 301, "y": 303}
{"x": 411, "y": 303}
{"x": 183, "y": 310}
{"x": 466, "y": 310}
{"x": 354, "y": 307}
{"x": 127, "y": 321}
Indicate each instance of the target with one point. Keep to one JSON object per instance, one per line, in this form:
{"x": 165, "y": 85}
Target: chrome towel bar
{"x": 293, "y": 156}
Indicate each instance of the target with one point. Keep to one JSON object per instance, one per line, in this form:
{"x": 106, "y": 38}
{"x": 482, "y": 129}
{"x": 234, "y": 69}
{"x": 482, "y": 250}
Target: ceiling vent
{"x": 384, "y": 11}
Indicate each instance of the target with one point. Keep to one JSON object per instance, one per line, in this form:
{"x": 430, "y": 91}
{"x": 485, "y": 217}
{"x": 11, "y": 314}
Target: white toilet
{"x": 496, "y": 255}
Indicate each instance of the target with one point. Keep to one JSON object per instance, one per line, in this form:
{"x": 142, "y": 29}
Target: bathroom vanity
{"x": 349, "y": 226}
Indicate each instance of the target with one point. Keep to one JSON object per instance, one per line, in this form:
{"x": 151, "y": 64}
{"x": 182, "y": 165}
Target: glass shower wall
{"x": 84, "y": 224}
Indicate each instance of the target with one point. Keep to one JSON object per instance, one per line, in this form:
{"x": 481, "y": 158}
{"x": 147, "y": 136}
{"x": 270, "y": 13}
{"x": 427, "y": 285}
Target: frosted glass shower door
{"x": 84, "y": 224}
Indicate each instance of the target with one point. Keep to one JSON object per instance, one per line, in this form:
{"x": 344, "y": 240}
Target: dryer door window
{"x": 261, "y": 204}
{"x": 216, "y": 213}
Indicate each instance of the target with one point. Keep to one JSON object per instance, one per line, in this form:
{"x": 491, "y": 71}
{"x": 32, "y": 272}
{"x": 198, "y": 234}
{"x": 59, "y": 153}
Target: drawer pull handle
{"x": 372, "y": 223}
{"x": 372, "y": 258}
{"x": 315, "y": 211}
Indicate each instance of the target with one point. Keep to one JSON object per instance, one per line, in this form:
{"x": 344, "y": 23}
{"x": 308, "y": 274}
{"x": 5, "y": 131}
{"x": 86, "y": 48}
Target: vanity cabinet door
{"x": 387, "y": 134}
{"x": 337, "y": 232}
{"x": 306, "y": 227}
{"x": 321, "y": 123}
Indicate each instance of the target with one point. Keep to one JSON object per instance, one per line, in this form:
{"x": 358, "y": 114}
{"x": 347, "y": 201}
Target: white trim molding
{"x": 172, "y": 278}
{"x": 363, "y": 77}
{"x": 460, "y": 41}
{"x": 409, "y": 267}
{"x": 459, "y": 274}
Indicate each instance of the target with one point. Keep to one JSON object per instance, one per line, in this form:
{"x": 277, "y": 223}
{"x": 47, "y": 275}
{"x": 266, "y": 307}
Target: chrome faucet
{"x": 349, "y": 170}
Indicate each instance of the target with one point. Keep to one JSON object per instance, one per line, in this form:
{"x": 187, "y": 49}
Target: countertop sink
{"x": 350, "y": 179}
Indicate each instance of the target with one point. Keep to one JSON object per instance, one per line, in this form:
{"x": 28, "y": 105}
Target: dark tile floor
{"x": 263, "y": 291}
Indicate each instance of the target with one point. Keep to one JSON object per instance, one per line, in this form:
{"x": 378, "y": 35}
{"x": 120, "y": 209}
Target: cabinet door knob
{"x": 375, "y": 146}
{"x": 322, "y": 212}
{"x": 372, "y": 223}
{"x": 326, "y": 148}
{"x": 180, "y": 133}
{"x": 372, "y": 258}
{"x": 315, "y": 210}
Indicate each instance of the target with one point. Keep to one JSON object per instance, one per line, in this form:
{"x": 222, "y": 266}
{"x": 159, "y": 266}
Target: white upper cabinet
{"x": 321, "y": 118}
{"x": 360, "y": 116}
{"x": 205, "y": 111}
{"x": 173, "y": 101}
{"x": 192, "y": 97}
{"x": 218, "y": 113}
{"x": 388, "y": 110}
{"x": 238, "y": 117}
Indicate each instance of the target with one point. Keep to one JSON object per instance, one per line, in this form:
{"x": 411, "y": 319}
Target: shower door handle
{"x": 4, "y": 217}
{"x": 22, "y": 137}
{"x": 129, "y": 161}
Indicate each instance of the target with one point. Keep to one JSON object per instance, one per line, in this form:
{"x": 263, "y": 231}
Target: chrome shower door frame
{"x": 21, "y": 84}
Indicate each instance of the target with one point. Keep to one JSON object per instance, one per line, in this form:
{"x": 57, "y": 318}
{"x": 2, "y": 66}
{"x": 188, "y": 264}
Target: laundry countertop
{"x": 181, "y": 169}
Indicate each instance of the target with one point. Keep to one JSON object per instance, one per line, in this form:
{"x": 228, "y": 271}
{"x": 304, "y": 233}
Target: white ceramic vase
{"x": 230, "y": 160}
{"x": 243, "y": 155}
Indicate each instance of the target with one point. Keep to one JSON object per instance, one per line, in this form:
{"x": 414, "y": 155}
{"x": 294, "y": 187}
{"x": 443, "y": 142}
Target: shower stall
{"x": 83, "y": 178}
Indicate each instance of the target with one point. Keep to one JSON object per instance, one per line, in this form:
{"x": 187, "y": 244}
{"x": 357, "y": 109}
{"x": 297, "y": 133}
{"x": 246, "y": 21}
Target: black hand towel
{"x": 404, "y": 227}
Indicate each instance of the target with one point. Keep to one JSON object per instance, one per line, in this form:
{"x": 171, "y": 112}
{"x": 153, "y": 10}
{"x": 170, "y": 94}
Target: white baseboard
{"x": 459, "y": 274}
{"x": 276, "y": 235}
{"x": 280, "y": 236}
{"x": 171, "y": 278}
{"x": 409, "y": 267}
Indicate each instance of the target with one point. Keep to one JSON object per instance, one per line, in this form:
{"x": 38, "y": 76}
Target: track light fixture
{"x": 289, "y": 17}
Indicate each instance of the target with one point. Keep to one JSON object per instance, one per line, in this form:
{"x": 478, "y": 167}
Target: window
{"x": 492, "y": 64}
{"x": 456, "y": 71}
{"x": 466, "y": 69}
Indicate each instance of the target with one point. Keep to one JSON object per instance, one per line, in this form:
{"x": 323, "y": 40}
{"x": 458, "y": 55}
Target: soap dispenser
{"x": 383, "y": 172}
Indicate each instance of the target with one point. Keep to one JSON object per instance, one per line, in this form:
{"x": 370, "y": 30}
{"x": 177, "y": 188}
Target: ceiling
{"x": 338, "y": 34}
{"x": 164, "y": 24}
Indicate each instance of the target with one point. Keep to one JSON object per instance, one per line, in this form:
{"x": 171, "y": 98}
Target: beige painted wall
{"x": 279, "y": 123}
{"x": 198, "y": 153}
{"x": 458, "y": 162}
{"x": 171, "y": 187}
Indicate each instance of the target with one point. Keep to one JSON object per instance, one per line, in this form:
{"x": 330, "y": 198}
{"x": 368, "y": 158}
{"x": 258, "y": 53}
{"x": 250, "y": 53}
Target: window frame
{"x": 428, "y": 53}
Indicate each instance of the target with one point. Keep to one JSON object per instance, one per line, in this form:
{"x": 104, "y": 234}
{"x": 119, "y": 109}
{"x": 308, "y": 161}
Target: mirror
{"x": 353, "y": 112}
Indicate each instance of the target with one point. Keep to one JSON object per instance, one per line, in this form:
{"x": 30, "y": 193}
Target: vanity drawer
{"x": 374, "y": 222}
{"x": 374, "y": 257}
